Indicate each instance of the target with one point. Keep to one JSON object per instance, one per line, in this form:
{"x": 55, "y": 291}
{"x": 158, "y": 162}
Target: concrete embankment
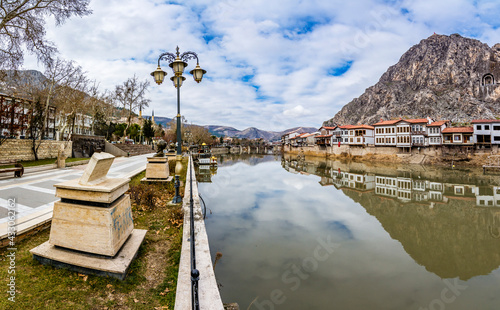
{"x": 209, "y": 295}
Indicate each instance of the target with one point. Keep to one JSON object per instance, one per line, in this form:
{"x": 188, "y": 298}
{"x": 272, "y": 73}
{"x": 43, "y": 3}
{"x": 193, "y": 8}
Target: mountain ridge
{"x": 443, "y": 77}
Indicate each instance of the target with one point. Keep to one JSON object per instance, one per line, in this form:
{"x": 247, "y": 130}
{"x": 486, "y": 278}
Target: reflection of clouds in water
{"x": 267, "y": 220}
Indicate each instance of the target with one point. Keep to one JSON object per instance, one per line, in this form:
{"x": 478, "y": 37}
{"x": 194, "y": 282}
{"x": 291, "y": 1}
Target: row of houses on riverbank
{"x": 401, "y": 133}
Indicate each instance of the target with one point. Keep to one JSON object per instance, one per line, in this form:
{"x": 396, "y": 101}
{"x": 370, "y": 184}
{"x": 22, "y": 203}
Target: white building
{"x": 361, "y": 135}
{"x": 385, "y": 133}
{"x": 434, "y": 132}
{"x": 486, "y": 132}
{"x": 82, "y": 125}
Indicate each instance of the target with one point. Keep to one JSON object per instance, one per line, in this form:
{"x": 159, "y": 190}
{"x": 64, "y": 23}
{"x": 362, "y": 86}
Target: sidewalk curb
{"x": 42, "y": 218}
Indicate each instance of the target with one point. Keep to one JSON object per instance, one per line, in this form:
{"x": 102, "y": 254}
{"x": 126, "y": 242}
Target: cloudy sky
{"x": 271, "y": 64}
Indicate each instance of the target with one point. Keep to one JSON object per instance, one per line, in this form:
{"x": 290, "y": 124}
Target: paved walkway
{"x": 34, "y": 193}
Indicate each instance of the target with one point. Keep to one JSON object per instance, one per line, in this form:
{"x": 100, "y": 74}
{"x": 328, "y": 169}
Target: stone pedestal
{"x": 61, "y": 157}
{"x": 98, "y": 230}
{"x": 157, "y": 170}
{"x": 93, "y": 217}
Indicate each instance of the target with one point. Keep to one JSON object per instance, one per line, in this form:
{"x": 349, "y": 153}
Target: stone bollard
{"x": 61, "y": 157}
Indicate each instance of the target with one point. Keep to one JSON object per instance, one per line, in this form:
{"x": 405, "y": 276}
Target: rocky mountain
{"x": 10, "y": 79}
{"x": 443, "y": 77}
{"x": 254, "y": 133}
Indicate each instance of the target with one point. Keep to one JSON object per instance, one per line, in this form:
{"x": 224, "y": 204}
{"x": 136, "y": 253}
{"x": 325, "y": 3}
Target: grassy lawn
{"x": 46, "y": 161}
{"x": 150, "y": 283}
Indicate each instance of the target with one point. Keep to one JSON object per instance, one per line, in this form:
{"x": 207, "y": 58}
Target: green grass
{"x": 151, "y": 281}
{"x": 45, "y": 161}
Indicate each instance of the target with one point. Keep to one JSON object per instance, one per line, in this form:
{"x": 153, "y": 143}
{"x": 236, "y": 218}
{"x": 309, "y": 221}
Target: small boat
{"x": 205, "y": 156}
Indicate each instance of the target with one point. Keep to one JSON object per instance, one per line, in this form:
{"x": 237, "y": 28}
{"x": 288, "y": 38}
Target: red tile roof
{"x": 328, "y": 128}
{"x": 390, "y": 122}
{"x": 437, "y": 124}
{"x": 346, "y": 126}
{"x": 394, "y": 121}
{"x": 416, "y": 121}
{"x": 362, "y": 127}
{"x": 478, "y": 121}
{"x": 458, "y": 130}
{"x": 324, "y": 136}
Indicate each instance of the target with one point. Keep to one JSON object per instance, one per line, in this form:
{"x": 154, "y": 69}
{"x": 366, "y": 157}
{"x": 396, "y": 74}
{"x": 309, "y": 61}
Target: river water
{"x": 318, "y": 234}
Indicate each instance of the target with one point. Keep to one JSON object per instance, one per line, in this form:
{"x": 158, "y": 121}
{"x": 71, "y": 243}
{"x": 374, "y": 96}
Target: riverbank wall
{"x": 208, "y": 291}
{"x": 439, "y": 155}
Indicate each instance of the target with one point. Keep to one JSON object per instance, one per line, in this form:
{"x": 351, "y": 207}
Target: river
{"x": 319, "y": 234}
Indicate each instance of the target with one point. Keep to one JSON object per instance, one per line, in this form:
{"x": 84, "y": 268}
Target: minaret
{"x": 140, "y": 112}
{"x": 153, "y": 117}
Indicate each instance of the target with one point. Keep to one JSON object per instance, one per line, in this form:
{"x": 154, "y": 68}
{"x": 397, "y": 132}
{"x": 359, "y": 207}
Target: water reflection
{"x": 443, "y": 219}
{"x": 330, "y": 235}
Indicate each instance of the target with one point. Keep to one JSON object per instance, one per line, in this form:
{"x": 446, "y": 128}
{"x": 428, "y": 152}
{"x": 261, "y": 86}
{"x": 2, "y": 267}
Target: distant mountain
{"x": 161, "y": 120}
{"x": 11, "y": 79}
{"x": 254, "y": 133}
{"x": 443, "y": 77}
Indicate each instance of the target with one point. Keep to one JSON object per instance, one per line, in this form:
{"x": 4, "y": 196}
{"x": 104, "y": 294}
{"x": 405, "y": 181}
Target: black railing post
{"x": 195, "y": 274}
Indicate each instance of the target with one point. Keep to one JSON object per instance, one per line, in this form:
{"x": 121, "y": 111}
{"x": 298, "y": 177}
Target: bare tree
{"x": 62, "y": 77}
{"x": 131, "y": 95}
{"x": 22, "y": 24}
{"x": 70, "y": 101}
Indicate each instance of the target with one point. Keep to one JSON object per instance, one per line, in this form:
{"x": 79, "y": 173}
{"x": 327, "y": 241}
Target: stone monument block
{"x": 98, "y": 230}
{"x": 93, "y": 217}
{"x": 97, "y": 169}
{"x": 157, "y": 168}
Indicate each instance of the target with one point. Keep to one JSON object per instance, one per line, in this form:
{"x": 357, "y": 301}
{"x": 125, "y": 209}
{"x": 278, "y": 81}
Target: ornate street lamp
{"x": 178, "y": 62}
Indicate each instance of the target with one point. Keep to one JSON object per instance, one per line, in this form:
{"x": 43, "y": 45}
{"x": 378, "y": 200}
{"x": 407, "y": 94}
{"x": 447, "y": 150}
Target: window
{"x": 478, "y": 127}
{"x": 495, "y": 127}
{"x": 496, "y": 138}
{"x": 457, "y": 137}
{"x": 486, "y": 127}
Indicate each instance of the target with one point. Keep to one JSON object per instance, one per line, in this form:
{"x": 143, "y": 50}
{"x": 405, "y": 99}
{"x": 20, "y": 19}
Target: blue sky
{"x": 271, "y": 64}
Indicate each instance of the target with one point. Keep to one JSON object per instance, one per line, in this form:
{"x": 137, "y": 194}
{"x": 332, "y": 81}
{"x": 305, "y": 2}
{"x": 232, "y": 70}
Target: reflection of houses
{"x": 403, "y": 188}
{"x": 488, "y": 196}
{"x": 359, "y": 181}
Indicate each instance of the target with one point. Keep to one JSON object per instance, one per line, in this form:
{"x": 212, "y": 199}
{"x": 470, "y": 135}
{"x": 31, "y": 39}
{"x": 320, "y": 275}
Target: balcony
{"x": 419, "y": 132}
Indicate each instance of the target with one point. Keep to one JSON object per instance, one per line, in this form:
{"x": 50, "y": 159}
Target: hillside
{"x": 444, "y": 77}
{"x": 253, "y": 133}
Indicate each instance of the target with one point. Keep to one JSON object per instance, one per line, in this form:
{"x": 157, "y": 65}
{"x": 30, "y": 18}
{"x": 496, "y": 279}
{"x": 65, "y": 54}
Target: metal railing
{"x": 195, "y": 274}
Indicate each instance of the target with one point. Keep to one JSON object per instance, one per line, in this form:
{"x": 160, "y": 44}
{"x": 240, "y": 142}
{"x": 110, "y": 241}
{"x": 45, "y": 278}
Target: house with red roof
{"x": 385, "y": 133}
{"x": 434, "y": 132}
{"x": 324, "y": 138}
{"x": 361, "y": 135}
{"x": 462, "y": 136}
{"x": 342, "y": 134}
{"x": 403, "y": 133}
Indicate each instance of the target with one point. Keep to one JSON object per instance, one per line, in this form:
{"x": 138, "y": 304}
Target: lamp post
{"x": 178, "y": 62}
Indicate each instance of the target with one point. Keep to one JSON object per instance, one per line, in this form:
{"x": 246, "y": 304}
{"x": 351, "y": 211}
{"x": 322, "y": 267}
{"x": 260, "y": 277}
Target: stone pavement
{"x": 34, "y": 193}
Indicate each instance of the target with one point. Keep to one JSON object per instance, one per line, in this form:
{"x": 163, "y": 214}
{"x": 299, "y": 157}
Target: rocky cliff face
{"x": 443, "y": 77}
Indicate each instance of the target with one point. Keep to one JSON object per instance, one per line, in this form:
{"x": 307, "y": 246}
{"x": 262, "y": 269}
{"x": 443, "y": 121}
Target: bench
{"x": 18, "y": 169}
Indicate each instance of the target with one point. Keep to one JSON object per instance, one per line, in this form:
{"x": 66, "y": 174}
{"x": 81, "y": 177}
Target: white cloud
{"x": 266, "y": 60}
